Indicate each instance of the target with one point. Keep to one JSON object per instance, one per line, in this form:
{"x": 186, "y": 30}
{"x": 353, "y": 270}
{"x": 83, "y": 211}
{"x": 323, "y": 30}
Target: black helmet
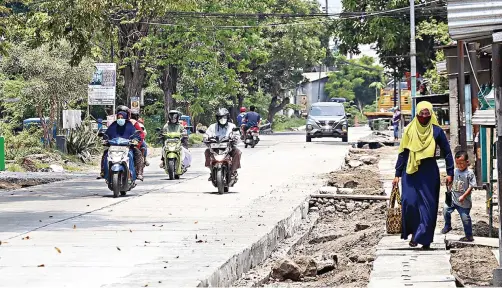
{"x": 174, "y": 116}
{"x": 135, "y": 115}
{"x": 122, "y": 108}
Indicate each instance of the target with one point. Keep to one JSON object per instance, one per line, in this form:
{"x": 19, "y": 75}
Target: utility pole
{"x": 497, "y": 83}
{"x": 413, "y": 57}
{"x": 462, "y": 137}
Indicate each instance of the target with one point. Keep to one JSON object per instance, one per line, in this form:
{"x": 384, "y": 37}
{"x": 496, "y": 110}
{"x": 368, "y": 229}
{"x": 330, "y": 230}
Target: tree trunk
{"x": 275, "y": 107}
{"x": 134, "y": 73}
{"x": 168, "y": 84}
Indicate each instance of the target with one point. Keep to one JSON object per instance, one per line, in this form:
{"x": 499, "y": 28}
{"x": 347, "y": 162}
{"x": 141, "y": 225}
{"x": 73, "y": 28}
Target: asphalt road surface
{"x": 163, "y": 233}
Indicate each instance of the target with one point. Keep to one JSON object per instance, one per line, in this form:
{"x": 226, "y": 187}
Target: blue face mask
{"x": 121, "y": 122}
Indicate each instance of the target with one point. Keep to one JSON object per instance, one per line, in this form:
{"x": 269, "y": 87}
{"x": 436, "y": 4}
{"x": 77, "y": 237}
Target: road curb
{"x": 259, "y": 251}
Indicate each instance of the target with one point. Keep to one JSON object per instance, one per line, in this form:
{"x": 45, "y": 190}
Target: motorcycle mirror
{"x": 158, "y": 129}
{"x": 348, "y": 115}
{"x": 202, "y": 131}
{"x": 235, "y": 129}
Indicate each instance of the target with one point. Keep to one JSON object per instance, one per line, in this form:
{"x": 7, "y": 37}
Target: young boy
{"x": 463, "y": 183}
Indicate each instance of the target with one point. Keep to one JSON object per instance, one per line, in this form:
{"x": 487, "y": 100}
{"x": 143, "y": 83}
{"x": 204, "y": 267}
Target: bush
{"x": 25, "y": 143}
{"x": 195, "y": 138}
{"x": 83, "y": 141}
{"x": 283, "y": 123}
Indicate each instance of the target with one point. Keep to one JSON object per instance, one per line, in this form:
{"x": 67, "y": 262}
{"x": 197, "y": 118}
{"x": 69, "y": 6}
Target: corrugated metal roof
{"x": 484, "y": 118}
{"x": 473, "y": 19}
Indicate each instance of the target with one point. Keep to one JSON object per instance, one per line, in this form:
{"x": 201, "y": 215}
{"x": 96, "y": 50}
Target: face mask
{"x": 223, "y": 121}
{"x": 121, "y": 122}
{"x": 424, "y": 120}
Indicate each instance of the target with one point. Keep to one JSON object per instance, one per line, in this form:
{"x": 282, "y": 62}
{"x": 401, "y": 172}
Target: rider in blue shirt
{"x": 251, "y": 119}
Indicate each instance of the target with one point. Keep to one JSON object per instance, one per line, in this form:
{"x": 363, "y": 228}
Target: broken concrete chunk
{"x": 345, "y": 191}
{"x": 308, "y": 266}
{"x": 355, "y": 163}
{"x": 369, "y": 160}
{"x": 361, "y": 226}
{"x": 286, "y": 269}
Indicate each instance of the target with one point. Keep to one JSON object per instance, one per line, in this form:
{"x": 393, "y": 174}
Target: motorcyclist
{"x": 240, "y": 117}
{"x": 173, "y": 125}
{"x": 223, "y": 128}
{"x": 251, "y": 119}
{"x": 144, "y": 146}
{"x": 123, "y": 128}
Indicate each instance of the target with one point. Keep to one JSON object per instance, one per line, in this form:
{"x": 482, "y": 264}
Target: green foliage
{"x": 283, "y": 123}
{"x": 195, "y": 138}
{"x": 25, "y": 143}
{"x": 14, "y": 167}
{"x": 352, "y": 81}
{"x": 390, "y": 35}
{"x": 83, "y": 141}
{"x": 439, "y": 31}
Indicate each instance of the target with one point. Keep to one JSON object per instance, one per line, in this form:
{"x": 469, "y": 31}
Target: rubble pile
{"x": 375, "y": 140}
{"x": 340, "y": 249}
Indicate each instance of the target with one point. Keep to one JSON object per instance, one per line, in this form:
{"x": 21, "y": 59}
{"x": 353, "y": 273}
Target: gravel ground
{"x": 473, "y": 265}
{"x": 343, "y": 242}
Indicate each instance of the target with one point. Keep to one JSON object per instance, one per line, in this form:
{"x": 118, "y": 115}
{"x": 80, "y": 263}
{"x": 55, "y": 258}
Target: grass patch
{"x": 14, "y": 168}
{"x": 195, "y": 138}
{"x": 41, "y": 166}
{"x": 71, "y": 168}
{"x": 287, "y": 124}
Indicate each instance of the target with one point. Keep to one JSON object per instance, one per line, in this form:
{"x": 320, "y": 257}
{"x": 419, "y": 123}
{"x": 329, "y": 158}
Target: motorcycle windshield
{"x": 119, "y": 142}
{"x": 172, "y": 135}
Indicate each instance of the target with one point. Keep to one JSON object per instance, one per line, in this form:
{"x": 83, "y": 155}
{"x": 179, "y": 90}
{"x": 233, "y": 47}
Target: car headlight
{"x": 310, "y": 127}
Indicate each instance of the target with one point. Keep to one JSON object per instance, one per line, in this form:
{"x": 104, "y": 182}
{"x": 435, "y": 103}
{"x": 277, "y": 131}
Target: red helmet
{"x": 243, "y": 109}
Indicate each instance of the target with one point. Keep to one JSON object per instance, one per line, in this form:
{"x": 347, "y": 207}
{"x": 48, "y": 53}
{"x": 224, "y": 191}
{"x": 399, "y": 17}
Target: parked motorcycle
{"x": 252, "y": 137}
{"x": 172, "y": 152}
{"x": 221, "y": 163}
{"x": 120, "y": 173}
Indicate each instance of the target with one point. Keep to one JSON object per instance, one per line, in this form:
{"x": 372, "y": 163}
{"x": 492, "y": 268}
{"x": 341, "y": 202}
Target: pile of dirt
{"x": 473, "y": 266}
{"x": 360, "y": 175}
{"x": 341, "y": 246}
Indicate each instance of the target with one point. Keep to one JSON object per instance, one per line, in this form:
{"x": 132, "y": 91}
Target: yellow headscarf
{"x": 418, "y": 139}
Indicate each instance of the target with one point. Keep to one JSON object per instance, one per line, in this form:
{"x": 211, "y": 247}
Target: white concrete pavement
{"x": 164, "y": 233}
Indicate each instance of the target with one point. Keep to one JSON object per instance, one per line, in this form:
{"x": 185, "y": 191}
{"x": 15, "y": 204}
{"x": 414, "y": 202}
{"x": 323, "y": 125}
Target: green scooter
{"x": 172, "y": 155}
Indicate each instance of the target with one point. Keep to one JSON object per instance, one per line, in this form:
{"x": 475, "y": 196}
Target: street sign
{"x": 101, "y": 90}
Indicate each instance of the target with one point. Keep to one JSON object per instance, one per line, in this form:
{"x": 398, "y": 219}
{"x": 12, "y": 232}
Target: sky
{"x": 334, "y": 6}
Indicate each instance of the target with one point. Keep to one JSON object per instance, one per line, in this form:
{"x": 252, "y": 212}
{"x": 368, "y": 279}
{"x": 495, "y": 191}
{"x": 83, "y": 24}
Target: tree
{"x": 45, "y": 80}
{"x": 378, "y": 85}
{"x": 353, "y": 80}
{"x": 389, "y": 33}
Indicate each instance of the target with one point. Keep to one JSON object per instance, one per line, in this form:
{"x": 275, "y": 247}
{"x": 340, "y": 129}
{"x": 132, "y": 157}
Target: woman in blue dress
{"x": 418, "y": 169}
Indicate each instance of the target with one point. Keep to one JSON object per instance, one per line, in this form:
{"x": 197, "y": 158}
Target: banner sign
{"x": 102, "y": 88}
{"x": 135, "y": 104}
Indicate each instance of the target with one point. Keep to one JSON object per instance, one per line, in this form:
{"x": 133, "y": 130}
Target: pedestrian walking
{"x": 396, "y": 119}
{"x": 417, "y": 167}
{"x": 463, "y": 183}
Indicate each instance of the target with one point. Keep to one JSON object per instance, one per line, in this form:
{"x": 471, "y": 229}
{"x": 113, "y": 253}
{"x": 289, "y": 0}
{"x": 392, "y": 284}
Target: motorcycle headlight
{"x": 116, "y": 156}
{"x": 219, "y": 157}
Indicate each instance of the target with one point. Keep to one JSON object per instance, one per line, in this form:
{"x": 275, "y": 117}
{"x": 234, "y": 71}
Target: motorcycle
{"x": 172, "y": 152}
{"x": 221, "y": 163}
{"x": 120, "y": 174}
{"x": 252, "y": 137}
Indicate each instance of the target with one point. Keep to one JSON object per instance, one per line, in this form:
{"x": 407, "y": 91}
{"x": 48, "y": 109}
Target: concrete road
{"x": 163, "y": 233}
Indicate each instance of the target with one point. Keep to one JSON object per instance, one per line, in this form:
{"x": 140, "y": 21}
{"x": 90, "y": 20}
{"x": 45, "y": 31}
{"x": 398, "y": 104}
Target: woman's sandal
{"x": 413, "y": 244}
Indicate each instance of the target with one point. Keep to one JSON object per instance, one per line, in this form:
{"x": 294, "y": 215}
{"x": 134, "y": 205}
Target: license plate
{"x": 119, "y": 149}
{"x": 327, "y": 130}
{"x": 218, "y": 145}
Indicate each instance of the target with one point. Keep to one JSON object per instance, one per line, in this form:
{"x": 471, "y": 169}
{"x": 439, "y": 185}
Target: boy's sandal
{"x": 446, "y": 230}
{"x": 466, "y": 239}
